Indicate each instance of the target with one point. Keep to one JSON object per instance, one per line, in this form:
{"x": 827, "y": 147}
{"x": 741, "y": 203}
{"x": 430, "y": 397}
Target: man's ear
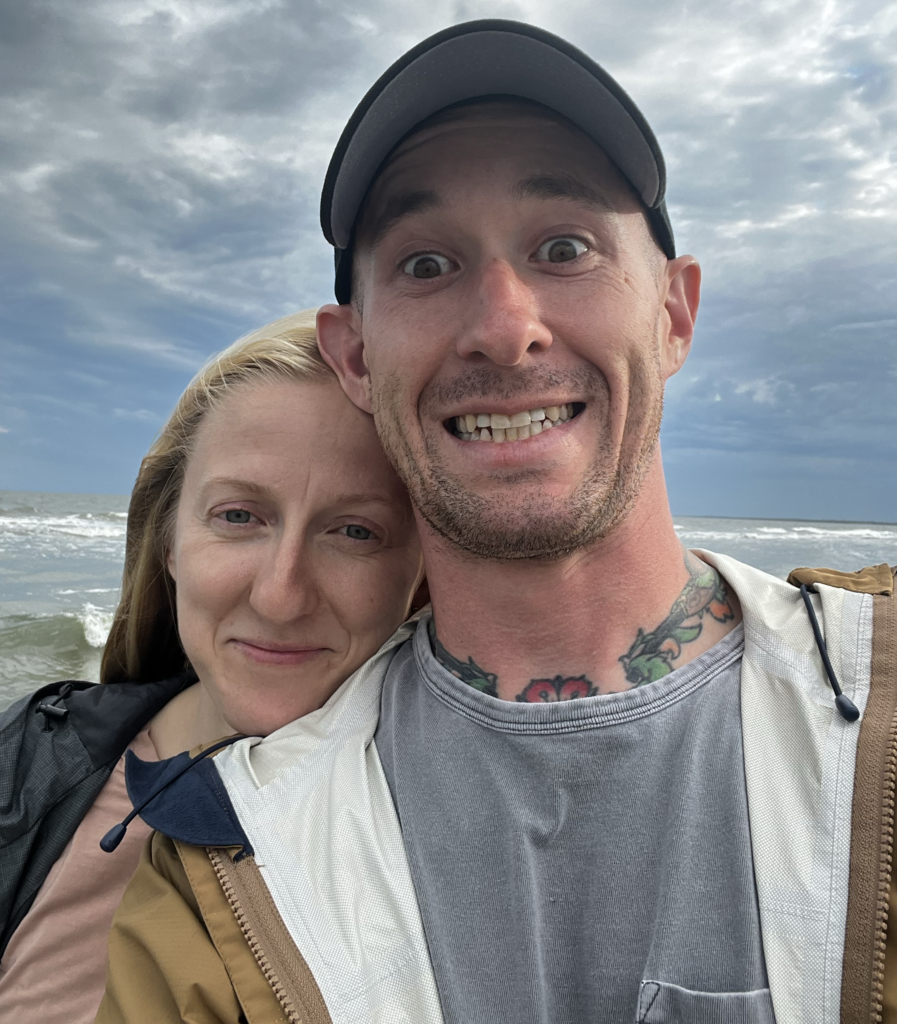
{"x": 339, "y": 339}
{"x": 683, "y": 280}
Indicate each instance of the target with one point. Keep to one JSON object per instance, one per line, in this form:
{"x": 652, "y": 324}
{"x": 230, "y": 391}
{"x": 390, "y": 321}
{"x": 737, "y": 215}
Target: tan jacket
{"x": 198, "y": 938}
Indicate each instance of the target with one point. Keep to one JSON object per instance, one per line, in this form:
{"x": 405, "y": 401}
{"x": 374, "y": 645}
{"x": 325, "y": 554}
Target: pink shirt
{"x": 54, "y": 968}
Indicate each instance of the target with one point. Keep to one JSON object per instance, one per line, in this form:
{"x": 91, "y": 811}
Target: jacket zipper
{"x": 885, "y": 866}
{"x": 886, "y": 624}
{"x": 218, "y": 863}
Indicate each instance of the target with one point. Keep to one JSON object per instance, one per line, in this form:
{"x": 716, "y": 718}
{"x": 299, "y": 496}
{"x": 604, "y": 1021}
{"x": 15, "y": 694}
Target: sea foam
{"x": 96, "y": 624}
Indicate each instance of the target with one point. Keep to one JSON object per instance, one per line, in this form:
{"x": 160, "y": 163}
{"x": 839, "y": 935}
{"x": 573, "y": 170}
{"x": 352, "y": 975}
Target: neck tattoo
{"x": 652, "y": 655}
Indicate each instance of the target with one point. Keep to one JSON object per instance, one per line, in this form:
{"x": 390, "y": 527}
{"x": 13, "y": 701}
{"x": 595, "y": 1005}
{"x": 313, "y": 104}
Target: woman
{"x": 271, "y": 550}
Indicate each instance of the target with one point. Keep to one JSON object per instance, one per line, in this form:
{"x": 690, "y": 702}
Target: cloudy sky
{"x": 159, "y": 181}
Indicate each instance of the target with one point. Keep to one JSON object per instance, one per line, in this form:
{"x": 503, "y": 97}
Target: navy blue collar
{"x": 193, "y": 807}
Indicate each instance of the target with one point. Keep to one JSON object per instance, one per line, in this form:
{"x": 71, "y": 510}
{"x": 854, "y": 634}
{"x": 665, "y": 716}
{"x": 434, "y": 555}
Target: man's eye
{"x": 237, "y": 515}
{"x": 357, "y": 532}
{"x": 426, "y": 265}
{"x": 561, "y": 250}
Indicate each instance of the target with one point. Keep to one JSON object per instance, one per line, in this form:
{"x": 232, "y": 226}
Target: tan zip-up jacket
{"x": 198, "y": 938}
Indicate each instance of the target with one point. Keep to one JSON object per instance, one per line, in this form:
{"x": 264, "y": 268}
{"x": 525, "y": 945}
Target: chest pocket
{"x": 660, "y": 1003}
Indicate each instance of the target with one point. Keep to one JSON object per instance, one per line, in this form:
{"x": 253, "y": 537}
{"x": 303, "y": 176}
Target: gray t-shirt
{"x": 580, "y": 861}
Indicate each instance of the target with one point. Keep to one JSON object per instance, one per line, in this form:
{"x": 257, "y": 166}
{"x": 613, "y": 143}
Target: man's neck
{"x": 627, "y": 611}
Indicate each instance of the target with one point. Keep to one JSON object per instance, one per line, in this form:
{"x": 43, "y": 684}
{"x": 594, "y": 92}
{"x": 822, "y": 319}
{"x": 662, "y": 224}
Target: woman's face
{"x": 295, "y": 552}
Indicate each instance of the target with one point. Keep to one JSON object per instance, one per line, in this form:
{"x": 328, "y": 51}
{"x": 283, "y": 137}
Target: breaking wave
{"x": 95, "y": 622}
{"x": 38, "y": 649}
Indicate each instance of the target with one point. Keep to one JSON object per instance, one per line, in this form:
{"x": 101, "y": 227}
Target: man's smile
{"x": 517, "y": 426}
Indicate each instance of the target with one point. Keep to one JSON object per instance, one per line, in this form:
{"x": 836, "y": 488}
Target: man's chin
{"x": 507, "y": 513}
{"x": 542, "y": 532}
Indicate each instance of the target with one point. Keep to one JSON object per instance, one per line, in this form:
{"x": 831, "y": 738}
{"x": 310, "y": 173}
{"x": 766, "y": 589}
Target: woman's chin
{"x": 265, "y": 698}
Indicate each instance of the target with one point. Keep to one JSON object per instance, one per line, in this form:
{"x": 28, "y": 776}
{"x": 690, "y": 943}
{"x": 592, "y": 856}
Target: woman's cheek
{"x": 210, "y": 581}
{"x": 358, "y": 595}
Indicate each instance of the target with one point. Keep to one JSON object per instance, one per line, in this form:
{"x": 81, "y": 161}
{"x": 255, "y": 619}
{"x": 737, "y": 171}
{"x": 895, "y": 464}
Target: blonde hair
{"x": 143, "y": 643}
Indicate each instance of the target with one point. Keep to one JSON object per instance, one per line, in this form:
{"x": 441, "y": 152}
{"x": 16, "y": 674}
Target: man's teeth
{"x": 518, "y": 427}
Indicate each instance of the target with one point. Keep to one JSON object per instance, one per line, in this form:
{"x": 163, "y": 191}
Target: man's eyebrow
{"x": 560, "y": 186}
{"x": 402, "y": 206}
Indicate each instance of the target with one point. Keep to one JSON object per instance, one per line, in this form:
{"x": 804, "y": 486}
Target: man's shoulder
{"x": 758, "y": 589}
{"x": 877, "y": 580}
{"x": 782, "y": 617}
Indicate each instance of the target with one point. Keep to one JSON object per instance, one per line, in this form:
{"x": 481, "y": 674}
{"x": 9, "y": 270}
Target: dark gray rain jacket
{"x": 57, "y": 749}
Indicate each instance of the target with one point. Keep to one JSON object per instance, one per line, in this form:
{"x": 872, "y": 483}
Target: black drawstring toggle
{"x": 51, "y": 709}
{"x": 849, "y": 711}
{"x": 114, "y": 836}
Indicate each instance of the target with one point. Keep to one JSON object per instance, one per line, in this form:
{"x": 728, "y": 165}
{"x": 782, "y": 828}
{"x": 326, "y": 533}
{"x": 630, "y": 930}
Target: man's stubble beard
{"x": 538, "y": 527}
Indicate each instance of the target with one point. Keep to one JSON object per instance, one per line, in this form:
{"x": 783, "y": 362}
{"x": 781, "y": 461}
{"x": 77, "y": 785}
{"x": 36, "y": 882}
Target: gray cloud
{"x": 158, "y": 197}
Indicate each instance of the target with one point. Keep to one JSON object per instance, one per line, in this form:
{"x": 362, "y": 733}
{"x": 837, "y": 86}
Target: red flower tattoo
{"x": 544, "y": 691}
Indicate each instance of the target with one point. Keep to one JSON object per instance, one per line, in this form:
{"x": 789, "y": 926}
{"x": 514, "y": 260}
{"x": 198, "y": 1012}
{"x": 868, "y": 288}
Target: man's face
{"x": 507, "y": 269}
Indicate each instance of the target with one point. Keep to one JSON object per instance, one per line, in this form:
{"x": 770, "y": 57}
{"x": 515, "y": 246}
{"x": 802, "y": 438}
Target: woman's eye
{"x": 356, "y": 532}
{"x": 561, "y": 250}
{"x": 237, "y": 515}
{"x": 427, "y": 265}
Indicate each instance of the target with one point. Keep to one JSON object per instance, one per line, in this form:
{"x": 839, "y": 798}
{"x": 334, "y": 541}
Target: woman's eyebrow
{"x": 230, "y": 481}
{"x": 364, "y": 499}
{"x": 250, "y": 487}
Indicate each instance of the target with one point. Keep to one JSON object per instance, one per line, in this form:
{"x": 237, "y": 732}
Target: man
{"x": 607, "y": 779}
{"x": 511, "y": 306}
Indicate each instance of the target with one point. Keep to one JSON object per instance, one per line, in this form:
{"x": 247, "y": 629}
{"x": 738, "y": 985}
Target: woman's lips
{"x": 277, "y": 655}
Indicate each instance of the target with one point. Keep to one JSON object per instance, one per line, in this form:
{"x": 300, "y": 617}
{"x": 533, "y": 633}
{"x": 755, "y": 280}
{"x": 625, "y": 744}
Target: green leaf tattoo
{"x": 651, "y": 655}
{"x": 467, "y": 671}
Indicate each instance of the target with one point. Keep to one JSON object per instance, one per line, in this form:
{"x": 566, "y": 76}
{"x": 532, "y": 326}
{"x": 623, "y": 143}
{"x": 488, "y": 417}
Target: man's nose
{"x": 284, "y": 588}
{"x": 504, "y": 323}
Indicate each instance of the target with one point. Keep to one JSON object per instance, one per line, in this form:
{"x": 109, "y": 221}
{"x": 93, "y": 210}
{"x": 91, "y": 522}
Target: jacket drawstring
{"x": 849, "y": 711}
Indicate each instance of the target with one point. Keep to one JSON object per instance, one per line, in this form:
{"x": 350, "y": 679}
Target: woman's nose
{"x": 284, "y": 588}
{"x": 505, "y": 323}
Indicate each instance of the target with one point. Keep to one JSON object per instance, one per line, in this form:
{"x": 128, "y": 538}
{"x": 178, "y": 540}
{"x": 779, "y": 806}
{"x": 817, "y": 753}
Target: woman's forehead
{"x": 282, "y": 401}
{"x": 279, "y": 426}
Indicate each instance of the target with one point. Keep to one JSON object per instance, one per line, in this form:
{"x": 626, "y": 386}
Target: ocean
{"x": 61, "y": 560}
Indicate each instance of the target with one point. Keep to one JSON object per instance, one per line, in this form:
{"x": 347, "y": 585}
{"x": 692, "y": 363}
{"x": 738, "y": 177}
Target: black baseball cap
{"x": 476, "y": 59}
